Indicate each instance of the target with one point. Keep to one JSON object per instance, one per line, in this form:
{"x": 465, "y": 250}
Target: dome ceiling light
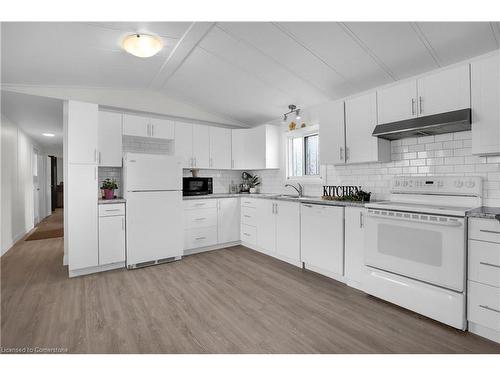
{"x": 142, "y": 45}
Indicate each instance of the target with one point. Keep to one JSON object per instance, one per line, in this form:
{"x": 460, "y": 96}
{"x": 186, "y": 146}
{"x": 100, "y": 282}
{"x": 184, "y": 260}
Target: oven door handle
{"x": 454, "y": 224}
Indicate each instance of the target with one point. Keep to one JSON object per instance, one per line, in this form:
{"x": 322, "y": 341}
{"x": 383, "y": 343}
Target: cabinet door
{"x": 110, "y": 139}
{"x": 361, "y": 119}
{"x": 238, "y": 138}
{"x": 201, "y": 146}
{"x": 485, "y": 104}
{"x": 220, "y": 148}
{"x": 255, "y": 147}
{"x": 162, "y": 128}
{"x": 82, "y": 216}
{"x": 354, "y": 244}
{"x": 332, "y": 133}
{"x": 322, "y": 238}
{"x": 397, "y": 102}
{"x": 81, "y": 125}
{"x": 184, "y": 143}
{"x": 136, "y": 126}
{"x": 111, "y": 239}
{"x": 444, "y": 91}
{"x": 266, "y": 225}
{"x": 288, "y": 230}
{"x": 228, "y": 222}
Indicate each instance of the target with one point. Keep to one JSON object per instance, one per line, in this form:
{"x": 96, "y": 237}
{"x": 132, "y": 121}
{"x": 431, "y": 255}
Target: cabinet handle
{"x": 489, "y": 231}
{"x": 152, "y": 130}
{"x": 341, "y": 153}
{"x": 489, "y": 308}
{"x": 199, "y": 204}
{"x": 232, "y": 163}
{"x": 489, "y": 264}
{"x": 123, "y": 223}
{"x": 99, "y": 157}
{"x": 420, "y": 104}
{"x": 361, "y": 219}
{"x": 276, "y": 205}
{"x": 200, "y": 238}
{"x": 95, "y": 173}
{"x": 347, "y": 154}
{"x": 246, "y": 234}
{"x": 413, "y": 106}
{"x": 114, "y": 209}
{"x": 307, "y": 205}
{"x": 200, "y": 218}
{"x": 95, "y": 155}
{"x": 247, "y": 216}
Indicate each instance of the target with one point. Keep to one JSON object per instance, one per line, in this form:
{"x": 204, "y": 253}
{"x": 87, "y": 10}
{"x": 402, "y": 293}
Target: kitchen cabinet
{"x": 256, "y": 148}
{"x": 201, "y": 146}
{"x": 354, "y": 245}
{"x": 266, "y": 225}
{"x": 109, "y": 139}
{"x": 360, "y": 120}
{"x": 238, "y": 139}
{"x": 322, "y": 239}
{"x": 81, "y": 211}
{"x": 485, "y": 105}
{"x": 220, "y": 148}
{"x": 397, "y": 102}
{"x": 111, "y": 233}
{"x": 136, "y": 126}
{"x": 184, "y": 143}
{"x": 161, "y": 128}
{"x": 330, "y": 117}
{"x": 228, "y": 220}
{"x": 288, "y": 230}
{"x": 81, "y": 129}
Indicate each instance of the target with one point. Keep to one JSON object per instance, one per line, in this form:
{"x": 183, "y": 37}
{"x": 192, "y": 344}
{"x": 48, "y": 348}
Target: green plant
{"x": 254, "y": 181}
{"x": 109, "y": 184}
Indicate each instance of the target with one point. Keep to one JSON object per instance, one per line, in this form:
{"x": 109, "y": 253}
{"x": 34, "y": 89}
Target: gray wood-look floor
{"x": 226, "y": 301}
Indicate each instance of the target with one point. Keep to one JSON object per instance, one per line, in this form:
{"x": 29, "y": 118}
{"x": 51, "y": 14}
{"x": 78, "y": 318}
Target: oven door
{"x": 429, "y": 248}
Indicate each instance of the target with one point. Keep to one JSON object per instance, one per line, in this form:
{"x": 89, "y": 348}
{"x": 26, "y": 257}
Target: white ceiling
{"x": 35, "y": 115}
{"x": 247, "y": 71}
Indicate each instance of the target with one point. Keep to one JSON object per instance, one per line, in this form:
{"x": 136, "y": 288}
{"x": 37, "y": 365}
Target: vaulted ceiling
{"x": 246, "y": 71}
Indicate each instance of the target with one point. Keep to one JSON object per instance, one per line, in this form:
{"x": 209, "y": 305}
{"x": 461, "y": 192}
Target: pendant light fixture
{"x": 292, "y": 109}
{"x": 142, "y": 45}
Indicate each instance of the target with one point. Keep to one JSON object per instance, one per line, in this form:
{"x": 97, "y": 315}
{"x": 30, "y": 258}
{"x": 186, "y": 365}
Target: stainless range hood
{"x": 448, "y": 122}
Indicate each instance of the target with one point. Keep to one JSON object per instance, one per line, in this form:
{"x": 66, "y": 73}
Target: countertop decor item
{"x": 194, "y": 172}
{"x": 253, "y": 182}
{"x": 108, "y": 187}
{"x": 345, "y": 193}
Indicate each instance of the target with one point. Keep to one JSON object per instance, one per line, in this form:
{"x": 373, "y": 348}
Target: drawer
{"x": 248, "y": 202}
{"x": 200, "y": 237}
{"x": 200, "y": 203}
{"x": 484, "y": 305}
{"x": 484, "y": 262}
{"x": 201, "y": 218}
{"x": 249, "y": 234}
{"x": 484, "y": 230}
{"x": 112, "y": 209}
{"x": 248, "y": 216}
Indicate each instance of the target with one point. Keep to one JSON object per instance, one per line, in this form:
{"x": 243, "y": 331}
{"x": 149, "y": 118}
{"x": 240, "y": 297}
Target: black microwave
{"x": 197, "y": 185}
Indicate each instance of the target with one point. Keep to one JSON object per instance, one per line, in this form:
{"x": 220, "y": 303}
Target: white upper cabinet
{"x": 81, "y": 124}
{"x": 485, "y": 104}
{"x": 332, "y": 133}
{"x": 220, "y": 148}
{"x": 110, "y": 139}
{"x": 137, "y": 126}
{"x": 397, "y": 102}
{"x": 360, "y": 120}
{"x": 256, "y": 148}
{"x": 201, "y": 146}
{"x": 162, "y": 128}
{"x": 444, "y": 91}
{"x": 184, "y": 143}
{"x": 238, "y": 138}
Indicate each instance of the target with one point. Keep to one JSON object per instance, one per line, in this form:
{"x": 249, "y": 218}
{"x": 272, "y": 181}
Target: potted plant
{"x": 109, "y": 186}
{"x": 253, "y": 182}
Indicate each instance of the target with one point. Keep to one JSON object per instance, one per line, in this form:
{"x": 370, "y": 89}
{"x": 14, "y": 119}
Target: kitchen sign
{"x": 340, "y": 190}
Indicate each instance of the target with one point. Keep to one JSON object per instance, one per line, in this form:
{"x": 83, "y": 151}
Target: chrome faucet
{"x": 299, "y": 190}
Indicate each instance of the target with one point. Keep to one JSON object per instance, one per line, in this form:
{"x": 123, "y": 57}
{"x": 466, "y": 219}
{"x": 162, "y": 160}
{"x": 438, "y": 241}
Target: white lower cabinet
{"x": 111, "y": 233}
{"x": 322, "y": 239}
{"x": 288, "y": 230}
{"x": 354, "y": 246}
{"x": 266, "y": 225}
{"x": 228, "y": 220}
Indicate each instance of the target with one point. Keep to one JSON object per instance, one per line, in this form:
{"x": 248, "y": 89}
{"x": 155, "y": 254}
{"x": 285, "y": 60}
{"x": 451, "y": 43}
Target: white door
{"x": 238, "y": 139}
{"x": 110, "y": 139}
{"x": 152, "y": 172}
{"x": 220, "y": 148}
{"x": 154, "y": 226}
{"x": 445, "y": 91}
{"x": 288, "y": 230}
{"x": 228, "y": 222}
{"x": 266, "y": 224}
{"x": 82, "y": 123}
{"x": 201, "y": 146}
{"x": 397, "y": 102}
{"x": 322, "y": 238}
{"x": 162, "y": 128}
{"x": 136, "y": 126}
{"x": 48, "y": 186}
{"x": 184, "y": 143}
{"x": 36, "y": 185}
{"x": 82, "y": 230}
{"x": 354, "y": 244}
{"x": 332, "y": 133}
{"x": 111, "y": 239}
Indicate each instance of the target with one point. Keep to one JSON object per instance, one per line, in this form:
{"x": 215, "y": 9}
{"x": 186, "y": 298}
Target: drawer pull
{"x": 489, "y": 231}
{"x": 114, "y": 209}
{"x": 247, "y": 202}
{"x": 307, "y": 205}
{"x": 200, "y": 238}
{"x": 200, "y": 218}
{"x": 246, "y": 234}
{"x": 489, "y": 264}
{"x": 489, "y": 308}
{"x": 199, "y": 204}
{"x": 246, "y": 215}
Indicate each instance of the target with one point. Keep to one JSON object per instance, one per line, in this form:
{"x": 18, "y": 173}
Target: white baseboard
{"x": 89, "y": 270}
{"x": 65, "y": 260}
{"x": 14, "y": 240}
{"x": 485, "y": 332}
{"x": 294, "y": 262}
{"x": 210, "y": 248}
{"x": 330, "y": 274}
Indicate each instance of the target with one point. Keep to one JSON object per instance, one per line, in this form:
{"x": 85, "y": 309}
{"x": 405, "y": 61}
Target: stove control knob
{"x": 470, "y": 184}
{"x": 459, "y": 184}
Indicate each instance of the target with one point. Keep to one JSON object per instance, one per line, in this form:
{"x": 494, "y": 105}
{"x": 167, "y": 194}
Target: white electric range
{"x": 415, "y": 245}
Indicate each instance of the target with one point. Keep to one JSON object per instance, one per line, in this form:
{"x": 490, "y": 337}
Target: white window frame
{"x": 307, "y": 180}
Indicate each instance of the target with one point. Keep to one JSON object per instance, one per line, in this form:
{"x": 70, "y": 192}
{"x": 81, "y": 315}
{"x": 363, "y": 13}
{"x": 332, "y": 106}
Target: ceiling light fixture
{"x": 292, "y": 109}
{"x": 48, "y": 135}
{"x": 142, "y": 45}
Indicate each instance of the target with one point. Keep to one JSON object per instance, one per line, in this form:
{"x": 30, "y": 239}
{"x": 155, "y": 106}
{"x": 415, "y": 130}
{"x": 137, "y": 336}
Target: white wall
{"x": 17, "y": 184}
{"x": 60, "y": 169}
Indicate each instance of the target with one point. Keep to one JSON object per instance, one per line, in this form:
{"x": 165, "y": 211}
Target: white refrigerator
{"x": 153, "y": 192}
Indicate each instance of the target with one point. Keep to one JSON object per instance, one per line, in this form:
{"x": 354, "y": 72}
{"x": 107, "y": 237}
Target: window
{"x": 303, "y": 156}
